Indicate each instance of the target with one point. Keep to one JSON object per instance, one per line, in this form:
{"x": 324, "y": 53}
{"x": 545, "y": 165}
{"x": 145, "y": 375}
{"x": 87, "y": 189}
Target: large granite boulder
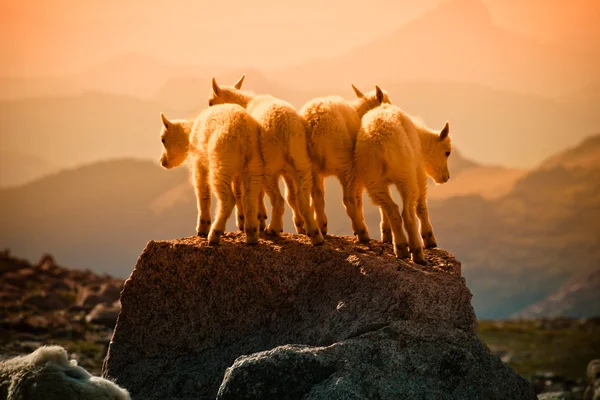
{"x": 404, "y": 359}
{"x": 342, "y": 320}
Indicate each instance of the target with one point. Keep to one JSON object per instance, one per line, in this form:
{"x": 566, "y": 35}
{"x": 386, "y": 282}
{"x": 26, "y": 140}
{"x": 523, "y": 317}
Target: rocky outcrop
{"x": 93, "y": 295}
{"x": 353, "y": 315}
{"x": 555, "y": 396}
{"x": 43, "y": 297}
{"x": 39, "y": 305}
{"x": 46, "y": 286}
{"x": 104, "y": 314}
{"x": 46, "y": 301}
{"x": 405, "y": 360}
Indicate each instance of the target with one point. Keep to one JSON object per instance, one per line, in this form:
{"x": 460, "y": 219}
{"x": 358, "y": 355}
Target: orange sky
{"x": 64, "y": 36}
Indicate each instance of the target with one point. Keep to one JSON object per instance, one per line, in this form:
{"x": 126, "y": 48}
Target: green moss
{"x": 6, "y": 336}
{"x": 81, "y": 347}
{"x": 69, "y": 295}
{"x": 565, "y": 350}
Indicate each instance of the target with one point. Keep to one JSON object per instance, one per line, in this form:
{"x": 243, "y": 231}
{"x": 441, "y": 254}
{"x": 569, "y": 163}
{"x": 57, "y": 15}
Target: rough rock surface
{"x": 90, "y": 296}
{"x": 404, "y": 360}
{"x": 38, "y": 305}
{"x": 104, "y": 315}
{"x": 555, "y": 396}
{"x": 42, "y": 298}
{"x": 189, "y": 310}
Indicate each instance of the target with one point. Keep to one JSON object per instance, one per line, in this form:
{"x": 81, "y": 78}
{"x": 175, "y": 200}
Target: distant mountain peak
{"x": 592, "y": 141}
{"x": 585, "y": 154}
{"x": 133, "y": 57}
{"x": 461, "y": 10}
{"x": 458, "y": 162}
{"x": 577, "y": 298}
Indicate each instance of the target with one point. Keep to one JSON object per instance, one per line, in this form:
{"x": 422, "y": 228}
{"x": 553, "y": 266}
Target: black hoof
{"x": 402, "y": 251}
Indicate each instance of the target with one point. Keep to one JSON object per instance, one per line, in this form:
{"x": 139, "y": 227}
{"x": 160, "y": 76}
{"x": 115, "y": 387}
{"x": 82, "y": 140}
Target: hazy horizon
{"x": 67, "y": 37}
{"x": 84, "y": 83}
{"x": 517, "y": 80}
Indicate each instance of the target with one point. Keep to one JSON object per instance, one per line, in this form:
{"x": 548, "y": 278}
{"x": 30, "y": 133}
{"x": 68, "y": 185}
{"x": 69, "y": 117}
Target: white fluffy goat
{"x": 332, "y": 125}
{"x": 284, "y": 151}
{"x": 222, "y": 147}
{"x": 392, "y": 149}
{"x": 47, "y": 374}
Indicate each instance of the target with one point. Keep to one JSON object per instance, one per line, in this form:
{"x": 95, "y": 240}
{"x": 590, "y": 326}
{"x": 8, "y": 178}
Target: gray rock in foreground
{"x": 369, "y": 324}
{"x": 403, "y": 360}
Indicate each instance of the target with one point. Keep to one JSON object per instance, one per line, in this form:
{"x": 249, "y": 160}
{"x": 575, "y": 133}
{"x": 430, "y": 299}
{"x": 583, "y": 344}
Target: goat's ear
{"x": 165, "y": 121}
{"x": 445, "y": 131}
{"x": 238, "y": 84}
{"x": 379, "y": 93}
{"x": 216, "y": 87}
{"x": 359, "y": 94}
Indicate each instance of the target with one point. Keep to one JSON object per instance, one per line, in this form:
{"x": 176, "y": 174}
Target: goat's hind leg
{"x": 409, "y": 214}
{"x": 251, "y": 183}
{"x": 429, "y": 239}
{"x": 202, "y": 190}
{"x": 359, "y": 201}
{"x": 427, "y": 234}
{"x": 379, "y": 192}
{"x": 351, "y": 191}
{"x": 291, "y": 195}
{"x": 262, "y": 209}
{"x": 239, "y": 204}
{"x": 386, "y": 230}
{"x": 277, "y": 203}
{"x": 221, "y": 185}
{"x": 304, "y": 189}
{"x": 318, "y": 201}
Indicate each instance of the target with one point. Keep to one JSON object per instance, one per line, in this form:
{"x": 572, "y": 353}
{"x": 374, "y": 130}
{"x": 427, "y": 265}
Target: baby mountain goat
{"x": 392, "y": 149}
{"x": 222, "y": 147}
{"x": 284, "y": 151}
{"x": 333, "y": 123}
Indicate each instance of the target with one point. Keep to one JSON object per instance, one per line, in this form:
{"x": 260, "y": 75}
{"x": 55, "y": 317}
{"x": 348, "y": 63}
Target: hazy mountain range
{"x": 457, "y": 41}
{"x": 518, "y": 245}
{"x": 523, "y": 246}
{"x": 577, "y": 298}
{"x": 508, "y": 110}
{"x": 541, "y": 47}
{"x": 97, "y": 216}
{"x": 492, "y": 126}
{"x": 80, "y": 178}
{"x": 18, "y": 168}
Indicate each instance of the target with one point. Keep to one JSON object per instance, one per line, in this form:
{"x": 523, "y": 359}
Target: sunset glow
{"x": 65, "y": 36}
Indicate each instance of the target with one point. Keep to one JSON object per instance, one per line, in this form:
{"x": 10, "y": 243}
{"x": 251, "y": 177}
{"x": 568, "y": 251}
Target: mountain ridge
{"x": 444, "y": 32}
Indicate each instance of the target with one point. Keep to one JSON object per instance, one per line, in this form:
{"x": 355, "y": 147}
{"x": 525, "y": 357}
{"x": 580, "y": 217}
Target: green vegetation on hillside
{"x": 561, "y": 346}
